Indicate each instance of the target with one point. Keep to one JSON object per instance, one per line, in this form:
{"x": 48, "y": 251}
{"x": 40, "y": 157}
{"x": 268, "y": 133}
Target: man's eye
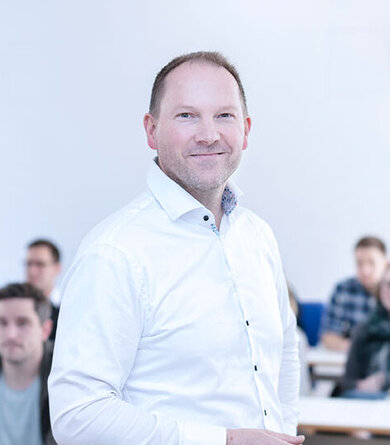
{"x": 224, "y": 115}
{"x": 185, "y": 115}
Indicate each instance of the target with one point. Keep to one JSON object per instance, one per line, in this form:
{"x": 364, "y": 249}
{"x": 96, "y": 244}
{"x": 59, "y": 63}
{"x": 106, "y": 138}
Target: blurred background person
{"x": 353, "y": 298}
{"x": 25, "y": 362}
{"x": 367, "y": 373}
{"x": 43, "y": 266}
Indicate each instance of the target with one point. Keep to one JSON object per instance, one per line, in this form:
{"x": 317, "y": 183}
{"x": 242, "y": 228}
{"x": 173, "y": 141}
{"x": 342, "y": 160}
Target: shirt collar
{"x": 176, "y": 201}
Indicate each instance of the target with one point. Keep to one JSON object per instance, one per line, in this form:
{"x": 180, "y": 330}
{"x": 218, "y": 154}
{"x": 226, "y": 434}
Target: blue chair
{"x": 310, "y": 314}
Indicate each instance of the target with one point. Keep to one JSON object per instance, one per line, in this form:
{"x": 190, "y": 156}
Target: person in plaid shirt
{"x": 353, "y": 298}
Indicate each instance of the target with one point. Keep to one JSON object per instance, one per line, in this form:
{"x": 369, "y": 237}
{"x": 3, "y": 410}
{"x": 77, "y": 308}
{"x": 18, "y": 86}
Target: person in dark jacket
{"x": 43, "y": 267}
{"x": 25, "y": 362}
{"x": 367, "y": 373}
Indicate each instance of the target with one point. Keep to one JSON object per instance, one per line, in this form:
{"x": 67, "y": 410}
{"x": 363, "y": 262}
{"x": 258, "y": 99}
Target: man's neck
{"x": 19, "y": 376}
{"x": 48, "y": 291}
{"x": 212, "y": 200}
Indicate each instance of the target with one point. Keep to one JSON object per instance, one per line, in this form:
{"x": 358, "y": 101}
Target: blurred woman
{"x": 367, "y": 373}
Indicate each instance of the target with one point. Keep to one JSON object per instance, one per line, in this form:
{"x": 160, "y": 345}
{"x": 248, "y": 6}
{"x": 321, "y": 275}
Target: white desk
{"x": 344, "y": 415}
{"x": 325, "y": 362}
{"x": 322, "y": 356}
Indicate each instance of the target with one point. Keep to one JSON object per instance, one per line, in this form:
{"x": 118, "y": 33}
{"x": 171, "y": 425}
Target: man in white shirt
{"x": 175, "y": 326}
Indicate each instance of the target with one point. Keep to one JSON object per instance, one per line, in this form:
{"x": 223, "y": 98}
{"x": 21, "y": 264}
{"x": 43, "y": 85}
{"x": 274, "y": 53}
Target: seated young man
{"x": 25, "y": 362}
{"x": 353, "y": 298}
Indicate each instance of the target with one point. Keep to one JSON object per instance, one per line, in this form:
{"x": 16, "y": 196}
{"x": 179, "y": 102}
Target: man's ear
{"x": 150, "y": 130}
{"x": 47, "y": 327}
{"x": 247, "y": 129}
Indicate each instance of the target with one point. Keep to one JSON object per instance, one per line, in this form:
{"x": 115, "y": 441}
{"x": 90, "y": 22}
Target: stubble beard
{"x": 198, "y": 184}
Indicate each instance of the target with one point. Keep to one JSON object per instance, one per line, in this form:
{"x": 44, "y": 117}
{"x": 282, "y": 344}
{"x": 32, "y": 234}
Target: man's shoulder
{"x": 123, "y": 225}
{"x": 252, "y": 218}
{"x": 253, "y": 224}
{"x": 256, "y": 228}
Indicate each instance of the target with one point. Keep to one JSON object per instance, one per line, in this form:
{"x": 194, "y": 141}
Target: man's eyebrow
{"x": 229, "y": 107}
{"x": 185, "y": 107}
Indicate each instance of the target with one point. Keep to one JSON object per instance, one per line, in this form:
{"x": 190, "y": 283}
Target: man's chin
{"x": 13, "y": 360}
{"x": 371, "y": 287}
{"x": 12, "y": 354}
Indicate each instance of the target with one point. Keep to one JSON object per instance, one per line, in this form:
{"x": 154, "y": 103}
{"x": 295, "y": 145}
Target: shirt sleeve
{"x": 289, "y": 375}
{"x": 100, "y": 325}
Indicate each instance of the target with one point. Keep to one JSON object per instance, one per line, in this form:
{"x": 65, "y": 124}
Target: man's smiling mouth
{"x": 206, "y": 154}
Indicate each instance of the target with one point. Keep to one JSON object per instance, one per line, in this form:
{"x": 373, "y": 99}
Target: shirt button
{"x": 247, "y": 322}
{"x": 255, "y": 367}
{"x": 206, "y": 218}
{"x": 265, "y": 412}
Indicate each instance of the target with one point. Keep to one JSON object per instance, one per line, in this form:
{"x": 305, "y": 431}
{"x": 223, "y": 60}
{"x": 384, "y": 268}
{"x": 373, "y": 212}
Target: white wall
{"x": 75, "y": 79}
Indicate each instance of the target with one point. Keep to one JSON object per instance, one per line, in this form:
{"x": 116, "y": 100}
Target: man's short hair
{"x": 55, "y": 251}
{"x": 42, "y": 305}
{"x": 371, "y": 241}
{"x": 210, "y": 57}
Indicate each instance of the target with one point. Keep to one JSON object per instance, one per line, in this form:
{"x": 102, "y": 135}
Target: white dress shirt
{"x": 171, "y": 331}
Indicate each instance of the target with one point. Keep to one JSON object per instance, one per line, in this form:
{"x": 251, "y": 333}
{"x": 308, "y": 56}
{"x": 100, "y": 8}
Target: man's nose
{"x": 366, "y": 270}
{"x": 11, "y": 332}
{"x": 207, "y": 132}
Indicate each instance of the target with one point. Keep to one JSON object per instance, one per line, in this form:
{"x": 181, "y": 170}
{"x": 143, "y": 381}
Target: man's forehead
{"x": 17, "y": 307}
{"x": 191, "y": 70}
{"x": 196, "y": 78}
{"x": 41, "y": 251}
{"x": 368, "y": 251}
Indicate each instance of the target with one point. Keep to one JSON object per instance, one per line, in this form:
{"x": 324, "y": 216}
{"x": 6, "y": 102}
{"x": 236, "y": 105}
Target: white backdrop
{"x": 75, "y": 79}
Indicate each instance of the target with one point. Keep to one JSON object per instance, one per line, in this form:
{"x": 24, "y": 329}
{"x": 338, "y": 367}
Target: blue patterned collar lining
{"x": 229, "y": 201}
